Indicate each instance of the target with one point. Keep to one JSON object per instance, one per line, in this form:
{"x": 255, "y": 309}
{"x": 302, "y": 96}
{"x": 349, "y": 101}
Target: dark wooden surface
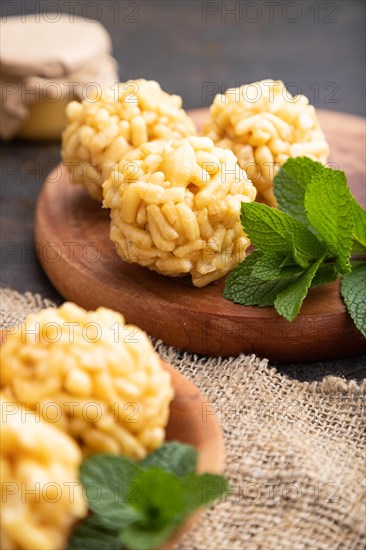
{"x": 171, "y": 43}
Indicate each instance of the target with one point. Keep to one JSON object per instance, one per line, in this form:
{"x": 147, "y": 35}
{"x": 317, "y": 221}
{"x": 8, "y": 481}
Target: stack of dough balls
{"x": 74, "y": 383}
{"x": 106, "y": 384}
{"x": 175, "y": 208}
{"x": 41, "y": 496}
{"x": 264, "y": 125}
{"x": 103, "y": 129}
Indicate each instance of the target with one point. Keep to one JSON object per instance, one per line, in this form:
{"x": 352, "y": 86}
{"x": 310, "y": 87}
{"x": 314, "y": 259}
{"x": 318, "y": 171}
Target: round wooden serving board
{"x": 72, "y": 236}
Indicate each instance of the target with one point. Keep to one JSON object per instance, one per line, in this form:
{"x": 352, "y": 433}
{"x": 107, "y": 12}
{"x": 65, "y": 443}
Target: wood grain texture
{"x": 72, "y": 235}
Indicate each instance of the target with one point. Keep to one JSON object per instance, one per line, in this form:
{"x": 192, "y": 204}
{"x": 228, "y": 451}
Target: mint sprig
{"x": 288, "y": 302}
{"x": 243, "y": 287}
{"x": 329, "y": 209}
{"x": 91, "y": 534}
{"x": 139, "y": 505}
{"x": 273, "y": 231}
{"x": 173, "y": 457}
{"x": 354, "y": 295}
{"x": 359, "y": 230}
{"x": 308, "y": 241}
{"x": 290, "y": 185}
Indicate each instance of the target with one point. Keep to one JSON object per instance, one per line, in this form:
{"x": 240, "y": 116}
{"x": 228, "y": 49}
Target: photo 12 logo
{"x": 316, "y": 92}
{"x": 52, "y": 12}
{"x": 269, "y": 12}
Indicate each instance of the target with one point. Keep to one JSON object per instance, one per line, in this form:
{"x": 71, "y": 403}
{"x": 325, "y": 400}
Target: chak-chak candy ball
{"x": 175, "y": 208}
{"x": 102, "y": 130}
{"x": 109, "y": 388}
{"x": 264, "y": 125}
{"x": 41, "y": 495}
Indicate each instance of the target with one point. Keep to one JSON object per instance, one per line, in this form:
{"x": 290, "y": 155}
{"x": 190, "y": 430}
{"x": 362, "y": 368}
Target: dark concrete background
{"x": 196, "y": 48}
{"x": 186, "y": 48}
{"x": 187, "y": 45}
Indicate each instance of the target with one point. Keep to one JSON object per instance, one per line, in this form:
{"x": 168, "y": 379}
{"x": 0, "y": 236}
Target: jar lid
{"x": 34, "y": 45}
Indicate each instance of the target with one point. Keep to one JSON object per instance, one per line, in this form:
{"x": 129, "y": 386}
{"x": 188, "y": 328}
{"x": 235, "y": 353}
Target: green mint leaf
{"x": 136, "y": 537}
{"x": 288, "y": 302}
{"x": 138, "y": 506}
{"x": 158, "y": 496}
{"x": 273, "y": 267}
{"x": 196, "y": 491}
{"x": 173, "y": 457}
{"x": 353, "y": 290}
{"x": 357, "y": 248}
{"x": 106, "y": 481}
{"x": 290, "y": 184}
{"x": 329, "y": 209}
{"x": 201, "y": 490}
{"x": 242, "y": 288}
{"x": 326, "y": 273}
{"x": 91, "y": 534}
{"x": 273, "y": 231}
{"x": 359, "y": 230}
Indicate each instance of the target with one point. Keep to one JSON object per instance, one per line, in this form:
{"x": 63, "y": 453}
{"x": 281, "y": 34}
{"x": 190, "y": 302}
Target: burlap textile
{"x": 295, "y": 452}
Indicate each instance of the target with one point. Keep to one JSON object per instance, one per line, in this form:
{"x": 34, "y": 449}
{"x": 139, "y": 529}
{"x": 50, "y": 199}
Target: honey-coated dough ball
{"x": 91, "y": 375}
{"x": 175, "y": 208}
{"x": 103, "y": 129}
{"x": 264, "y": 125}
{"x": 41, "y": 495}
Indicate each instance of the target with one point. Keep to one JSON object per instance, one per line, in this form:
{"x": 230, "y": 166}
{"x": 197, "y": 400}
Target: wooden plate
{"x": 192, "y": 421}
{"x": 72, "y": 236}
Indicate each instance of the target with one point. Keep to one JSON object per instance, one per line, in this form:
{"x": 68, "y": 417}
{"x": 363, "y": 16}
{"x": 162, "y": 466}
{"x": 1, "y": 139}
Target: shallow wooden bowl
{"x": 73, "y": 245}
{"x": 192, "y": 421}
